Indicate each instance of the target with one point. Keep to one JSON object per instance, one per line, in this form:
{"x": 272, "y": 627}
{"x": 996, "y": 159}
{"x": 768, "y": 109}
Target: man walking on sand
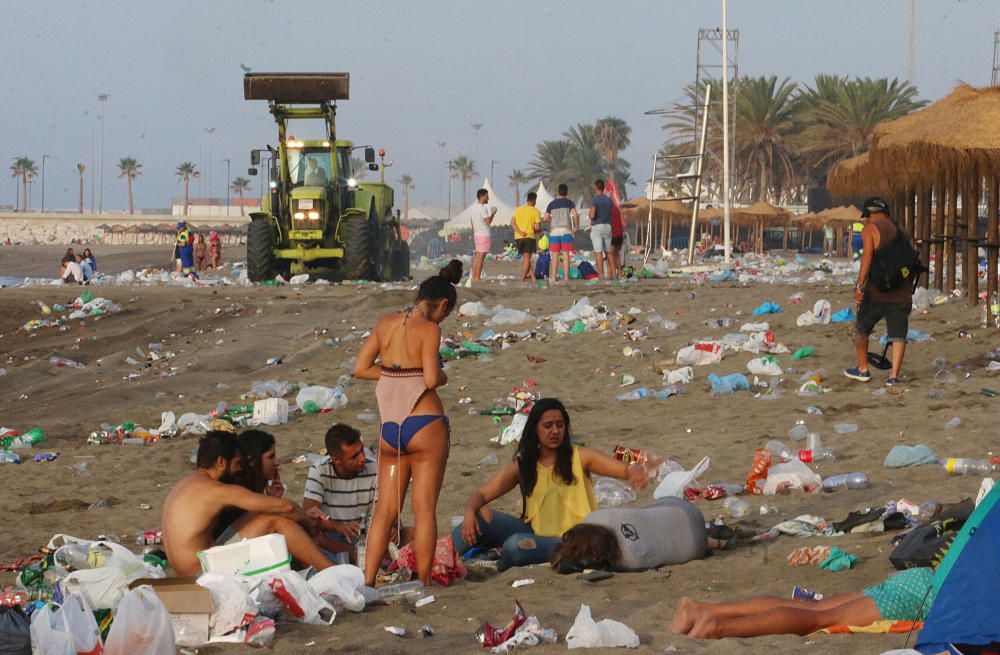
{"x": 563, "y": 223}
{"x": 482, "y": 218}
{"x": 526, "y": 222}
{"x": 600, "y": 227}
{"x": 873, "y": 304}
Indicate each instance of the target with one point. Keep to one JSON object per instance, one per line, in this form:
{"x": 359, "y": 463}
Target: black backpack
{"x": 895, "y": 264}
{"x": 927, "y": 544}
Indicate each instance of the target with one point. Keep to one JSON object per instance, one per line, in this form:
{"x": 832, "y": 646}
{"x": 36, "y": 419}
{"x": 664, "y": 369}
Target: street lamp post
{"x": 102, "y": 97}
{"x": 441, "y": 144}
{"x": 44, "y": 157}
{"x": 27, "y": 201}
{"x": 17, "y": 193}
{"x": 450, "y": 185}
{"x": 477, "y": 127}
{"x": 210, "y": 131}
{"x": 227, "y": 185}
{"x": 493, "y": 162}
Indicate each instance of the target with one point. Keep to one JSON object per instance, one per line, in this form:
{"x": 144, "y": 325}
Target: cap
{"x": 874, "y": 205}
{"x": 181, "y": 224}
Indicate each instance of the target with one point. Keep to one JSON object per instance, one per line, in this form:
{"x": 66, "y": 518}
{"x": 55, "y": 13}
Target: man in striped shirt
{"x": 340, "y": 490}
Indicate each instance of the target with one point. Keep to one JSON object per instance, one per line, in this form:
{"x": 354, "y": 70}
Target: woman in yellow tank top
{"x": 556, "y": 491}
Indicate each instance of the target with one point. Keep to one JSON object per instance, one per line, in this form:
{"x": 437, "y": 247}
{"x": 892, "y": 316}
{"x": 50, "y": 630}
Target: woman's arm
{"x": 430, "y": 342}
{"x": 594, "y": 461}
{"x": 499, "y": 484}
{"x": 364, "y": 366}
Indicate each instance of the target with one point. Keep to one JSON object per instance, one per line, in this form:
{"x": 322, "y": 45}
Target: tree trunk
{"x": 241, "y": 202}
{"x": 406, "y": 203}
{"x": 517, "y": 194}
{"x": 465, "y": 191}
{"x": 186, "y": 182}
{"x": 24, "y": 191}
{"x": 81, "y": 193}
{"x": 131, "y": 207}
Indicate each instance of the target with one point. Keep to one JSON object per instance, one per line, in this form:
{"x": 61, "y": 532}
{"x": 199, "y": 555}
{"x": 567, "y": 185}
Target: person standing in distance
{"x": 600, "y": 227}
{"x": 527, "y": 220}
{"x": 482, "y": 218}
{"x": 874, "y": 305}
{"x": 563, "y": 223}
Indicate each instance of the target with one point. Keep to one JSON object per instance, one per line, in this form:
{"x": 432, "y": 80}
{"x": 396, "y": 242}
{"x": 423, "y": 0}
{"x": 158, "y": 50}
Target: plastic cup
{"x": 814, "y": 441}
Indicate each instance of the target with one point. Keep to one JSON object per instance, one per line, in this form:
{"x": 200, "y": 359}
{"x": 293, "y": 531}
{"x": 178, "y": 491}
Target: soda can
{"x": 628, "y": 455}
{"x": 801, "y": 593}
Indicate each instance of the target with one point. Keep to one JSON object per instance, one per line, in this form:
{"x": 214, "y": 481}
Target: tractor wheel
{"x": 260, "y": 250}
{"x": 401, "y": 261}
{"x": 358, "y": 244}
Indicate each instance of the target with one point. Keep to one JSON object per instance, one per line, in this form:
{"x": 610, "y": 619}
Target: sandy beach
{"x": 219, "y": 354}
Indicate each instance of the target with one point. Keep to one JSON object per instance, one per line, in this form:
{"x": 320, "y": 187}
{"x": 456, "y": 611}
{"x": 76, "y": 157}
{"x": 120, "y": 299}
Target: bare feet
{"x": 706, "y": 626}
{"x": 685, "y": 615}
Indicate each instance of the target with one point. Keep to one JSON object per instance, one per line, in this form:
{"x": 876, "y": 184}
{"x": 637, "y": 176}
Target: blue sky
{"x": 421, "y": 72}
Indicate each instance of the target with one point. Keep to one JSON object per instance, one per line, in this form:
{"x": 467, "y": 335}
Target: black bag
{"x": 895, "y": 264}
{"x": 927, "y": 544}
{"x": 15, "y": 632}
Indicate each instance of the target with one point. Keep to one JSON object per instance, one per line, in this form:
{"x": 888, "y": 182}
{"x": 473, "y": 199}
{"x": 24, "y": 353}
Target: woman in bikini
{"x": 402, "y": 356}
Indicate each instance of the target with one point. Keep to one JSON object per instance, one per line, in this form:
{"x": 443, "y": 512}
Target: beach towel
{"x": 877, "y": 628}
{"x": 447, "y": 565}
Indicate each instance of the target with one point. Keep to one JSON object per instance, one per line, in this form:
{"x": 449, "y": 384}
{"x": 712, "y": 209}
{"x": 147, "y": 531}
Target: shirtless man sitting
{"x": 193, "y": 506}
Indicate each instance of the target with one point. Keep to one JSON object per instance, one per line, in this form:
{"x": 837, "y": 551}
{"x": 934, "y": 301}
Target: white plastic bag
{"x": 300, "y": 601}
{"x": 755, "y": 327}
{"x": 231, "y": 603}
{"x": 791, "y": 475}
{"x": 612, "y": 493}
{"x": 473, "y": 308}
{"x": 141, "y": 626}
{"x": 512, "y": 433}
{"x": 82, "y": 626}
{"x": 760, "y": 366}
{"x": 343, "y": 582}
{"x": 699, "y": 354}
{"x": 607, "y": 633}
{"x": 324, "y": 397}
{"x": 675, "y": 482}
{"x": 679, "y": 376}
{"x": 50, "y": 632}
{"x": 820, "y": 315}
{"x": 298, "y": 280}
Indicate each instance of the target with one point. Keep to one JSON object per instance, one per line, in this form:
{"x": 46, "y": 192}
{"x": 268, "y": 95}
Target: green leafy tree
{"x": 551, "y": 163}
{"x": 80, "y": 168}
{"x": 406, "y": 182}
{"x": 24, "y": 168}
{"x": 130, "y": 169}
{"x": 240, "y": 186}
{"x": 516, "y": 179}
{"x": 463, "y": 168}
{"x": 766, "y": 122}
{"x": 185, "y": 172}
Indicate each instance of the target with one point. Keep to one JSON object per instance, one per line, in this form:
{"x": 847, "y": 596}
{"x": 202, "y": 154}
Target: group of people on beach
{"x": 192, "y": 255}
{"x": 77, "y": 268}
{"x": 236, "y": 492}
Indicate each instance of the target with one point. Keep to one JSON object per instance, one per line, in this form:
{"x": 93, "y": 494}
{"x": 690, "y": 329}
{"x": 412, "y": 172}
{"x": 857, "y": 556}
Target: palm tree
{"x": 516, "y": 179}
{"x": 130, "y": 169}
{"x": 240, "y": 186}
{"x": 184, "y": 173}
{"x": 24, "y": 168}
{"x": 613, "y": 136}
{"x": 80, "y": 168}
{"x": 766, "y": 123}
{"x": 550, "y": 164}
{"x": 463, "y": 168}
{"x": 407, "y": 183}
{"x": 581, "y": 136}
{"x": 584, "y": 165}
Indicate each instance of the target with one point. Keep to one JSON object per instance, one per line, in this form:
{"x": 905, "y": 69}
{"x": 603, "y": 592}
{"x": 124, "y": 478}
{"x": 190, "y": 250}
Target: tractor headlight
{"x": 352, "y": 183}
{"x": 314, "y": 215}
{"x": 273, "y": 184}
{"x": 299, "y": 215}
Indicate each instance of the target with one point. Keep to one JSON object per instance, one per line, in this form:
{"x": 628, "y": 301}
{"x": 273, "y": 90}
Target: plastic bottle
{"x": 220, "y": 409}
{"x": 845, "y": 428}
{"x": 849, "y": 480}
{"x": 953, "y": 423}
{"x": 814, "y": 410}
{"x": 64, "y": 362}
{"x": 73, "y": 557}
{"x": 779, "y": 449}
{"x": 414, "y": 589}
{"x": 966, "y": 466}
{"x": 984, "y": 315}
{"x": 995, "y": 310}
{"x": 737, "y": 507}
{"x": 360, "y": 548}
{"x": 635, "y": 394}
{"x": 7, "y": 457}
{"x": 816, "y": 455}
{"x": 799, "y": 432}
{"x": 48, "y": 310}
{"x": 344, "y": 380}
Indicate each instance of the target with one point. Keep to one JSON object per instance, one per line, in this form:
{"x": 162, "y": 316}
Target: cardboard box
{"x": 189, "y": 604}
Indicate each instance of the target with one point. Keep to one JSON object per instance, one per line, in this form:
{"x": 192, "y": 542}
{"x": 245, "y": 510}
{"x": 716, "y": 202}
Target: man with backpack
{"x": 884, "y": 290}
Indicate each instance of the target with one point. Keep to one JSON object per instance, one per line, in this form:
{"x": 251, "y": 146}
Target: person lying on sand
{"x": 904, "y": 596}
{"x": 669, "y": 531}
{"x": 556, "y": 491}
{"x": 194, "y": 504}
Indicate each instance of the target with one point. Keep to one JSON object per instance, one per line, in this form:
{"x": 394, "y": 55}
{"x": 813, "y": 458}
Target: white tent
{"x": 544, "y": 197}
{"x": 463, "y": 220}
{"x": 428, "y": 213}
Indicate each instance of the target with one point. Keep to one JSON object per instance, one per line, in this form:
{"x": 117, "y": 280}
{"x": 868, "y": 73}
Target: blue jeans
{"x": 506, "y": 532}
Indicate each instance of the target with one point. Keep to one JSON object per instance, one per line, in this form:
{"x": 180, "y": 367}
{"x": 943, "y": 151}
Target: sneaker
{"x": 891, "y": 382}
{"x": 857, "y": 374}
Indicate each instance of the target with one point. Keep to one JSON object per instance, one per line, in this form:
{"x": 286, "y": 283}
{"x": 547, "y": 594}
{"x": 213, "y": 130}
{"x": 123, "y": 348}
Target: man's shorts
{"x": 561, "y": 243}
{"x": 896, "y": 315}
{"x": 526, "y": 246}
{"x": 904, "y": 596}
{"x": 600, "y": 236}
{"x": 617, "y": 241}
{"x": 483, "y": 242}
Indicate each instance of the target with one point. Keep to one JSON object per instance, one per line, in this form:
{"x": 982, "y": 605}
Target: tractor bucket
{"x": 296, "y": 88}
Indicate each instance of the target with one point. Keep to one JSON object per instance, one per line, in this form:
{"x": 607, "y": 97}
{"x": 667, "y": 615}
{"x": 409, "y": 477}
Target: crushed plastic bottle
{"x": 635, "y": 394}
{"x": 737, "y": 507}
{"x": 814, "y": 410}
{"x": 849, "y": 480}
{"x": 798, "y": 432}
{"x": 65, "y": 362}
{"x": 845, "y": 428}
{"x": 953, "y": 423}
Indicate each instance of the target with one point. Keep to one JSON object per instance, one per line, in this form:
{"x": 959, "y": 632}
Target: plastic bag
{"x": 342, "y": 582}
{"x": 512, "y": 433}
{"x": 301, "y": 602}
{"x": 473, "y": 308}
{"x": 612, "y": 493}
{"x": 764, "y": 366}
{"x": 231, "y": 604}
{"x": 820, "y": 315}
{"x": 580, "y": 309}
{"x": 15, "y": 632}
{"x": 679, "y": 376}
{"x": 607, "y": 633}
{"x": 505, "y": 316}
{"x": 141, "y": 627}
{"x": 791, "y": 475}
{"x": 700, "y": 354}
{"x": 82, "y": 625}
{"x": 727, "y": 384}
{"x": 675, "y": 482}
{"x": 758, "y": 471}
{"x": 268, "y": 389}
{"x": 50, "y": 632}
{"x": 320, "y": 398}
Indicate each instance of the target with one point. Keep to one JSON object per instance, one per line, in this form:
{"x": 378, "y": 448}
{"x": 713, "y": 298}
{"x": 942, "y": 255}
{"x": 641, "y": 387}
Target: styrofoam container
{"x": 270, "y": 411}
{"x": 267, "y": 554}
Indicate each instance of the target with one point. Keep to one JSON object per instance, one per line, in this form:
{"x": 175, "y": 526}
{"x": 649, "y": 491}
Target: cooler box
{"x": 248, "y": 557}
{"x": 270, "y": 411}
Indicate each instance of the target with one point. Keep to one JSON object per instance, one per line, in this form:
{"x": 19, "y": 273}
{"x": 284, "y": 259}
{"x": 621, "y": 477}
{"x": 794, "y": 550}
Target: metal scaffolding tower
{"x": 996, "y": 59}
{"x": 708, "y": 71}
